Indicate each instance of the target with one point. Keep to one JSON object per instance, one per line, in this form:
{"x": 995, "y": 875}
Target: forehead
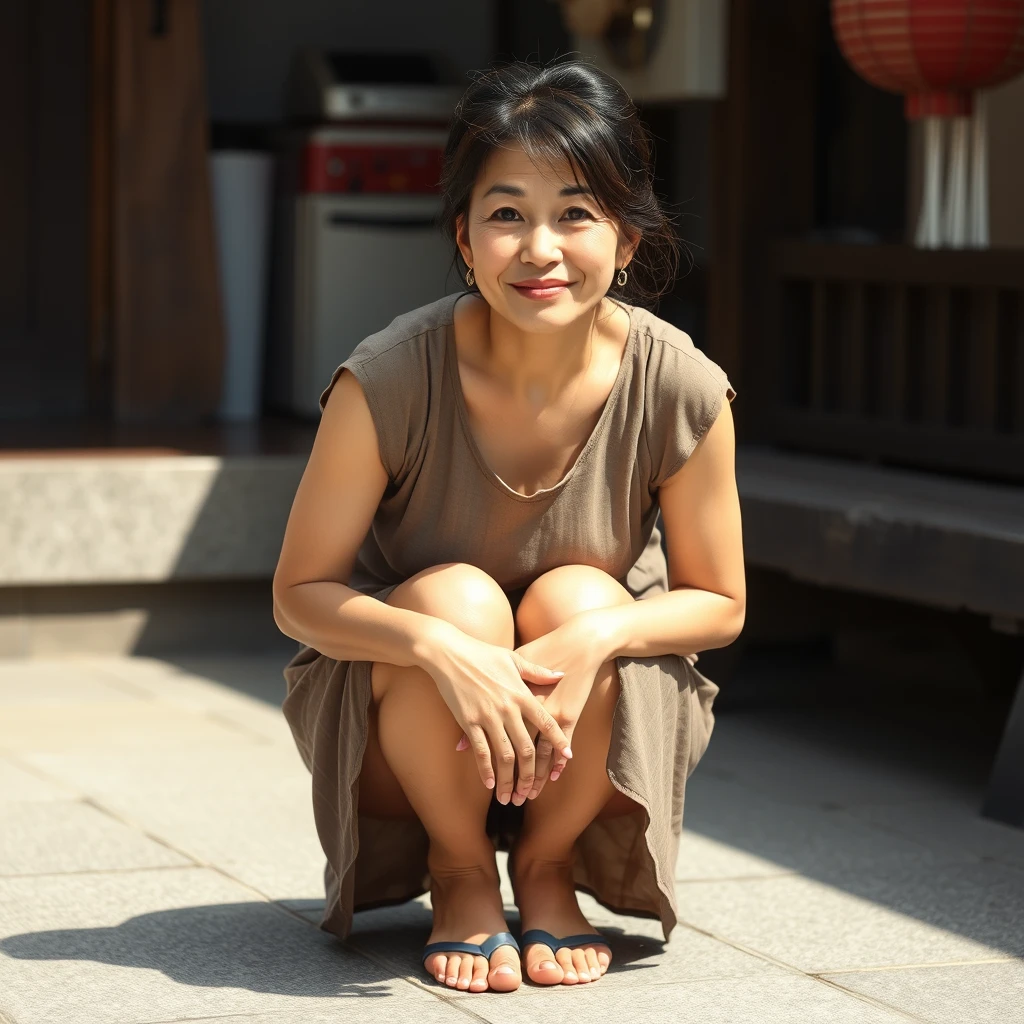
{"x": 514, "y": 164}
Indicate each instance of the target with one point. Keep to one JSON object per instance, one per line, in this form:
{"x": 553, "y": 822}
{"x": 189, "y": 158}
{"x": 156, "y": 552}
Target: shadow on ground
{"x": 220, "y": 946}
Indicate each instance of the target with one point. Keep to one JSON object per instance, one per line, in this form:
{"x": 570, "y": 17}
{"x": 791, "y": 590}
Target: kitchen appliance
{"x": 356, "y": 235}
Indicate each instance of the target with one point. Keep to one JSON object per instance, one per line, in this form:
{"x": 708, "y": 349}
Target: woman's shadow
{"x": 254, "y": 946}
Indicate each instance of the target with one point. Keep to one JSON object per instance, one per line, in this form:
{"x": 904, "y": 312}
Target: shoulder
{"x": 684, "y": 390}
{"x": 673, "y": 360}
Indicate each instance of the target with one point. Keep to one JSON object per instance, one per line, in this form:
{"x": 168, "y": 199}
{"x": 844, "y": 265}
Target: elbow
{"x": 736, "y": 621}
{"x": 280, "y": 594}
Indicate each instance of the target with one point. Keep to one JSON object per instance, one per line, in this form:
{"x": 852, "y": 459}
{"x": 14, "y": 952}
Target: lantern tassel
{"x": 955, "y": 219}
{"x": 929, "y": 228}
{"x": 978, "y": 233}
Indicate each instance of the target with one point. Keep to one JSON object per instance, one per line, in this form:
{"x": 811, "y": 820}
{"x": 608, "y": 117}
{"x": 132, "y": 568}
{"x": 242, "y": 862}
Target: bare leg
{"x": 417, "y": 736}
{"x": 543, "y": 853}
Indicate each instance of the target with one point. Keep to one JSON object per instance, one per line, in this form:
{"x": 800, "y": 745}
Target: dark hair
{"x": 567, "y": 109}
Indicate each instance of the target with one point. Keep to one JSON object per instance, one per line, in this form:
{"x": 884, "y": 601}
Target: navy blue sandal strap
{"x": 484, "y": 949}
{"x": 569, "y": 942}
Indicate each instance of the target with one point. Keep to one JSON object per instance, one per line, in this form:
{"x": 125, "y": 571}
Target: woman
{"x": 494, "y": 644}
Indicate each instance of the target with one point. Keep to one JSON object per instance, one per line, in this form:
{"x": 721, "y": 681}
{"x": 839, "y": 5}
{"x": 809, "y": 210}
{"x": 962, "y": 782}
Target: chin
{"x": 554, "y": 315}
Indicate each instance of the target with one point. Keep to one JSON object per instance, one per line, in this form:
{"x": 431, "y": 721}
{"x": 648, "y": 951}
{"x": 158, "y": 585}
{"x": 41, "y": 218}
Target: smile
{"x": 541, "y": 291}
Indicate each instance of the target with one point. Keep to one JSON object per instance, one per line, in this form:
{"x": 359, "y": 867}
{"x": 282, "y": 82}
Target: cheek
{"x": 495, "y": 247}
{"x": 593, "y": 250}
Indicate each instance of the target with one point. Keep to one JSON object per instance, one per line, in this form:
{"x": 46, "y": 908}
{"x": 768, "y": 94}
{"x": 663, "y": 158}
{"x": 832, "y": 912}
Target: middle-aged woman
{"x": 495, "y": 651}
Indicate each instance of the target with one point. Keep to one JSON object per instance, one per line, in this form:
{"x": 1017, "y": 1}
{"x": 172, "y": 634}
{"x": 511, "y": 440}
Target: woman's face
{"x": 541, "y": 250}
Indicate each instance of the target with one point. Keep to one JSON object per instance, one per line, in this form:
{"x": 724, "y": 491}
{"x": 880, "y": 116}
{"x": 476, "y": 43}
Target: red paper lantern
{"x": 936, "y": 52}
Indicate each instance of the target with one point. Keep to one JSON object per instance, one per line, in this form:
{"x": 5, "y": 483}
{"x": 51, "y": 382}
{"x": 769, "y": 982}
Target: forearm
{"x": 340, "y": 622}
{"x": 682, "y": 621}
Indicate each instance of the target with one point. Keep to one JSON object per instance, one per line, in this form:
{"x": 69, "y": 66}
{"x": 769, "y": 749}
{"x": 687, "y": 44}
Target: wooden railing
{"x": 898, "y": 354}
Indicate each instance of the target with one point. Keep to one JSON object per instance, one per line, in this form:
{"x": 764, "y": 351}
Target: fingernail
{"x": 554, "y": 775}
{"x": 489, "y": 783}
{"x": 503, "y": 799}
{"x": 567, "y": 751}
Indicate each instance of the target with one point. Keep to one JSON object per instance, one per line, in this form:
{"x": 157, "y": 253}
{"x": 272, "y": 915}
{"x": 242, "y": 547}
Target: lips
{"x": 538, "y": 285}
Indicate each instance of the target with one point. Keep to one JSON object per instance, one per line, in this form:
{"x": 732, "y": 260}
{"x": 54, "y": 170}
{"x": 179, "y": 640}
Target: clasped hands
{"x": 518, "y": 709}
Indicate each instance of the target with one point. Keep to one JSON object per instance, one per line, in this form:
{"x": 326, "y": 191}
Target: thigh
{"x": 460, "y": 594}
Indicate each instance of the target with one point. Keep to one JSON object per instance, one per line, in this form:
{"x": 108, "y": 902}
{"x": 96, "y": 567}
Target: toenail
{"x": 548, "y": 965}
{"x": 504, "y": 969}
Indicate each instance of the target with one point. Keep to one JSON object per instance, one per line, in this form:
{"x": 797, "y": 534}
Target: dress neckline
{"x": 455, "y": 379}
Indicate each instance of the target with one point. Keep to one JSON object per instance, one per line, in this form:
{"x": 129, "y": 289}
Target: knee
{"x": 560, "y": 594}
{"x": 463, "y": 595}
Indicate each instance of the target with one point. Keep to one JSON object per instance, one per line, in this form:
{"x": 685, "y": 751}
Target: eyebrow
{"x": 514, "y": 190}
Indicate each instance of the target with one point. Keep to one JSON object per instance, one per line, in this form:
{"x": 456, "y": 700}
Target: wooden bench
{"x": 948, "y": 543}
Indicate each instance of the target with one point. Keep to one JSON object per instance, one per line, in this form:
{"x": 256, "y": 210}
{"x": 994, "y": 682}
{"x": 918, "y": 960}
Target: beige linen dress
{"x": 444, "y": 504}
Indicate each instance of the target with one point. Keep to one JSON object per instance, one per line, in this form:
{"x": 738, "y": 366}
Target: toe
{"x": 592, "y": 964}
{"x": 465, "y": 972}
{"x": 564, "y": 959}
{"x": 478, "y": 983}
{"x": 604, "y": 958}
{"x": 452, "y": 975}
{"x": 436, "y": 966}
{"x": 504, "y": 974}
{"x": 541, "y": 966}
{"x": 579, "y": 960}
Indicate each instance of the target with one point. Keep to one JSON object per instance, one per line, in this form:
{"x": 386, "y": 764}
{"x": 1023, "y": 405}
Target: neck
{"x": 536, "y": 367}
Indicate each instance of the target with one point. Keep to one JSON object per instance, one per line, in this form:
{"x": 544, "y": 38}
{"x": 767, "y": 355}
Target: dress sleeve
{"x": 395, "y": 380}
{"x": 683, "y": 397}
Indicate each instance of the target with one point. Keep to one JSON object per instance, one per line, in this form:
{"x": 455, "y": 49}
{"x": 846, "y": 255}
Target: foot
{"x": 546, "y": 897}
{"x": 467, "y": 908}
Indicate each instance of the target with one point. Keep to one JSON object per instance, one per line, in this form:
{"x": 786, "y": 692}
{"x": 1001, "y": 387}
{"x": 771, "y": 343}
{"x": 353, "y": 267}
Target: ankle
{"x": 530, "y": 860}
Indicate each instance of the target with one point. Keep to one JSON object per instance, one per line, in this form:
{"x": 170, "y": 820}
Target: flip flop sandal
{"x": 569, "y": 942}
{"x": 484, "y": 949}
{"x": 538, "y": 935}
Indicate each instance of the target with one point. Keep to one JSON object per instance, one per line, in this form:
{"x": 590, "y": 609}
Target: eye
{"x": 499, "y": 214}
{"x": 577, "y": 210}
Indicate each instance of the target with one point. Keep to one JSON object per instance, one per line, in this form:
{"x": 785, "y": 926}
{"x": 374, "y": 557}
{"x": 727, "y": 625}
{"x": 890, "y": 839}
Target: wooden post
{"x": 168, "y": 332}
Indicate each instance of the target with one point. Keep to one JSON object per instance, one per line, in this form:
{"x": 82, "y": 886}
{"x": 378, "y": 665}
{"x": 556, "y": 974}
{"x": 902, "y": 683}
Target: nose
{"x": 541, "y": 246}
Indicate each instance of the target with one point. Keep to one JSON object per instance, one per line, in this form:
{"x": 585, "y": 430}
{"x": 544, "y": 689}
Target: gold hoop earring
{"x": 622, "y": 277}
{"x": 470, "y": 278}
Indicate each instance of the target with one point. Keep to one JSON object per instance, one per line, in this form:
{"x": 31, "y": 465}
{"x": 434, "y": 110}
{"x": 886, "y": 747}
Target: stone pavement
{"x": 158, "y": 863}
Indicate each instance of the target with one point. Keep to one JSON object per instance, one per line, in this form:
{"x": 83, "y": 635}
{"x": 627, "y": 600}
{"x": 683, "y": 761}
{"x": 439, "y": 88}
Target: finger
{"x": 559, "y": 763}
{"x": 533, "y": 712}
{"x": 525, "y": 758}
{"x": 482, "y": 753}
{"x": 542, "y": 766}
{"x": 534, "y": 673}
{"x": 504, "y": 761}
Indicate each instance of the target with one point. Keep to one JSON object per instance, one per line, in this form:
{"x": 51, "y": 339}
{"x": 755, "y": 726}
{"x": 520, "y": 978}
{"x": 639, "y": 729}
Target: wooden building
{"x": 881, "y": 424}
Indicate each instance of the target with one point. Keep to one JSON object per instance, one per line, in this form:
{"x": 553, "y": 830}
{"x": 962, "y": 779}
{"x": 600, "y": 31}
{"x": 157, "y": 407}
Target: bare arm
{"x": 705, "y": 606}
{"x": 334, "y": 505}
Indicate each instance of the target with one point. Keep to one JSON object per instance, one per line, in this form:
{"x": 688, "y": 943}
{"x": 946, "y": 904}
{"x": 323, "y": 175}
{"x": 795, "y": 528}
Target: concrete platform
{"x": 158, "y": 863}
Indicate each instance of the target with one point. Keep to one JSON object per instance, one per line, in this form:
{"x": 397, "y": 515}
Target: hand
{"x": 577, "y": 649}
{"x": 485, "y": 687}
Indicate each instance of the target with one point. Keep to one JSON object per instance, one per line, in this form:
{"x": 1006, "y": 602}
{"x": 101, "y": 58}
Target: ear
{"x": 462, "y": 239}
{"x": 629, "y": 242}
